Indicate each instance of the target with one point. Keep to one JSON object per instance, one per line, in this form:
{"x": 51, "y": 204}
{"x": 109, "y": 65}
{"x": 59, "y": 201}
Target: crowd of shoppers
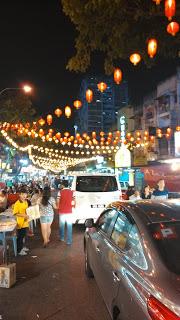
{"x": 159, "y": 192}
{"x": 21, "y": 197}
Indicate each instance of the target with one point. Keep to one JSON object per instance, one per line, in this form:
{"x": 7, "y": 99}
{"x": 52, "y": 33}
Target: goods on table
{"x": 7, "y": 223}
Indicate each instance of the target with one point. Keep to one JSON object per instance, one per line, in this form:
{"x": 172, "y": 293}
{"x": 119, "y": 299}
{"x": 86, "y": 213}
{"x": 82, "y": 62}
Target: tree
{"x": 118, "y": 28}
{"x": 16, "y": 108}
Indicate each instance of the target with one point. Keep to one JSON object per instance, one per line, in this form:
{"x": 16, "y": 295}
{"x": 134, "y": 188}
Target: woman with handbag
{"x": 47, "y": 205}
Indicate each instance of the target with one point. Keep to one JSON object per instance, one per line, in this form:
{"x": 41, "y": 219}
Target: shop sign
{"x": 123, "y": 127}
{"x": 123, "y": 157}
{"x": 177, "y": 143}
{"x": 140, "y": 156}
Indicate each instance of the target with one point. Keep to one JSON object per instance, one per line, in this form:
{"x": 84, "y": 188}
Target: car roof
{"x": 93, "y": 174}
{"x": 152, "y": 211}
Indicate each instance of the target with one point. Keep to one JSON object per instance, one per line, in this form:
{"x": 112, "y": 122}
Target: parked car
{"x": 92, "y": 193}
{"x": 133, "y": 251}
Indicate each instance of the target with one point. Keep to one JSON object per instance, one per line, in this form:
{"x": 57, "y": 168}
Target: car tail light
{"x": 159, "y": 311}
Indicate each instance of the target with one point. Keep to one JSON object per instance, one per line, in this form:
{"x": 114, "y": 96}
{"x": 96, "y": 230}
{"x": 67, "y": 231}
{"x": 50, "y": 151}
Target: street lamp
{"x": 26, "y": 88}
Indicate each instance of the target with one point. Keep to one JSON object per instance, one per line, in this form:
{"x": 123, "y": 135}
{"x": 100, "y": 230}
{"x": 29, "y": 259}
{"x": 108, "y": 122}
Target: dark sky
{"x": 37, "y": 40}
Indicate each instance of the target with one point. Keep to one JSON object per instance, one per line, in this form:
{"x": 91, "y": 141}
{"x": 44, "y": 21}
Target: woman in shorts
{"x": 47, "y": 205}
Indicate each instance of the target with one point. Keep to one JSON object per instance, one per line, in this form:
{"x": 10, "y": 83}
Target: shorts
{"x": 46, "y": 219}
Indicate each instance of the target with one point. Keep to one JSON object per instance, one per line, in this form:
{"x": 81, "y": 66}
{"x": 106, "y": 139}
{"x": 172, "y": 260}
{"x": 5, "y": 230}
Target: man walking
{"x": 161, "y": 193}
{"x": 65, "y": 201}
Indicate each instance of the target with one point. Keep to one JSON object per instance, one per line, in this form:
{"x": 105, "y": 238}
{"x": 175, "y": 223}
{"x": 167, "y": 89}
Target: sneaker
{"x": 25, "y": 249}
{"x": 22, "y": 253}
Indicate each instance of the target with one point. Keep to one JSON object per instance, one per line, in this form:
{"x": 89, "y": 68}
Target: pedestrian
{"x": 146, "y": 194}
{"x": 160, "y": 192}
{"x": 135, "y": 196}
{"x": 65, "y": 202}
{"x": 47, "y": 206}
{"x": 19, "y": 211}
{"x": 129, "y": 192}
{"x": 35, "y": 197}
{"x": 3, "y": 200}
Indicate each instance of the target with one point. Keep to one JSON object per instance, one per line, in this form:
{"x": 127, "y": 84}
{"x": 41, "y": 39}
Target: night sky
{"x": 36, "y": 41}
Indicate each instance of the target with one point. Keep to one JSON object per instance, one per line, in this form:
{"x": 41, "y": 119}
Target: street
{"x": 51, "y": 284}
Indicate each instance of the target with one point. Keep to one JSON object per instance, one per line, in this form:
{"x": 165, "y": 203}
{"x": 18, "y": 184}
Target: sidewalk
{"x": 51, "y": 284}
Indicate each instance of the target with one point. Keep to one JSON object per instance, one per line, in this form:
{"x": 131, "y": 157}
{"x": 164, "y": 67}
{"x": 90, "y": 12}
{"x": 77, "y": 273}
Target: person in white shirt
{"x": 135, "y": 196}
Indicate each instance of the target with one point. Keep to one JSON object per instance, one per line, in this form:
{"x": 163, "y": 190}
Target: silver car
{"x": 133, "y": 251}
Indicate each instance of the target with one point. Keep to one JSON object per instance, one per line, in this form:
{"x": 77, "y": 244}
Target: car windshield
{"x": 167, "y": 238}
{"x": 96, "y": 184}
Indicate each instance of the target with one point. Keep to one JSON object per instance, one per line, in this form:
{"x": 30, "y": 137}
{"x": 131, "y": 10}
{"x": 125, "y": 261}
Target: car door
{"x": 113, "y": 249}
{"x": 104, "y": 227}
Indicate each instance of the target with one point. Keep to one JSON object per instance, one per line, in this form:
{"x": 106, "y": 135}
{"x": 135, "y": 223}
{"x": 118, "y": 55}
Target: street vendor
{"x": 19, "y": 211}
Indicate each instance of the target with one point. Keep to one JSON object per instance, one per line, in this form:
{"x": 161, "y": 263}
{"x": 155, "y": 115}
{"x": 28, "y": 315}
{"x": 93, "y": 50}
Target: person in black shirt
{"x": 146, "y": 194}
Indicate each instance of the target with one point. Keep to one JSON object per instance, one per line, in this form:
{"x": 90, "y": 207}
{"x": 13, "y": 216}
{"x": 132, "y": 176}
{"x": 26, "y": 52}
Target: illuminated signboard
{"x": 123, "y": 157}
{"x": 177, "y": 143}
{"x": 123, "y": 127}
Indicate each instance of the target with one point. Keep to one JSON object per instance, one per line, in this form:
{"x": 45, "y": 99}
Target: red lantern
{"x": 157, "y": 1}
{"x": 58, "y": 112}
{"x": 173, "y": 28}
{"x": 135, "y": 58}
{"x": 102, "y": 86}
{"x": 41, "y": 132}
{"x": 117, "y": 75}
{"x": 58, "y": 135}
{"x": 49, "y": 119}
{"x": 67, "y": 111}
{"x": 170, "y": 8}
{"x": 152, "y": 47}
{"x": 41, "y": 122}
{"x": 89, "y": 96}
{"x": 77, "y": 104}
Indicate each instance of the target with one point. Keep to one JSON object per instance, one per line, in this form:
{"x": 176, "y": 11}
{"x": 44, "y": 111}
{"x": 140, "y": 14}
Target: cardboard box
{"x": 7, "y": 275}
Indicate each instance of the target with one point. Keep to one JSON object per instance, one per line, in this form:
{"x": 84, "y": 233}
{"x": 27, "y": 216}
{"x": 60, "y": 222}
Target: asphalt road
{"x": 51, "y": 284}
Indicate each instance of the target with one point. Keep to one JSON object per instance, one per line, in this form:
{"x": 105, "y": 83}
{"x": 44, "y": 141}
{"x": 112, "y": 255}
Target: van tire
{"x": 88, "y": 269}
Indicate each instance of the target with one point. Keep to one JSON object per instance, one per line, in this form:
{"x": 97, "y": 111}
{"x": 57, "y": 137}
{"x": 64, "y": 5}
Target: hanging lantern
{"x": 47, "y": 137}
{"x": 93, "y": 134}
{"x": 77, "y": 104}
{"x": 152, "y": 47}
{"x": 135, "y": 58}
{"x": 157, "y": 2}
{"x": 58, "y": 135}
{"x": 41, "y": 132}
{"x": 117, "y": 75}
{"x": 50, "y": 131}
{"x": 41, "y": 122}
{"x": 170, "y": 8}
{"x": 66, "y": 134}
{"x": 89, "y": 95}
{"x": 102, "y": 134}
{"x": 102, "y": 86}
{"x": 27, "y": 125}
{"x": 49, "y": 119}
{"x": 58, "y": 112}
{"x": 67, "y": 111}
{"x": 173, "y": 28}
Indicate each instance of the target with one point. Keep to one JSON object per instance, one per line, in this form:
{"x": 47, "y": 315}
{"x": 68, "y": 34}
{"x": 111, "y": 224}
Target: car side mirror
{"x": 89, "y": 223}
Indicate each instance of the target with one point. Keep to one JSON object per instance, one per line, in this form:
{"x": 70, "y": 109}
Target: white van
{"x": 92, "y": 193}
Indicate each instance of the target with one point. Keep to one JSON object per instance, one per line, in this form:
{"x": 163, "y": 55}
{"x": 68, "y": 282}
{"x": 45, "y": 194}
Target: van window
{"x": 96, "y": 184}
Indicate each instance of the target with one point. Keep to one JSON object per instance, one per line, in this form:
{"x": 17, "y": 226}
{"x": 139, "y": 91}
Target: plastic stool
{"x": 9, "y": 237}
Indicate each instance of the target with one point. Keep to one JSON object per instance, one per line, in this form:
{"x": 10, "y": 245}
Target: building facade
{"x": 101, "y": 113}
